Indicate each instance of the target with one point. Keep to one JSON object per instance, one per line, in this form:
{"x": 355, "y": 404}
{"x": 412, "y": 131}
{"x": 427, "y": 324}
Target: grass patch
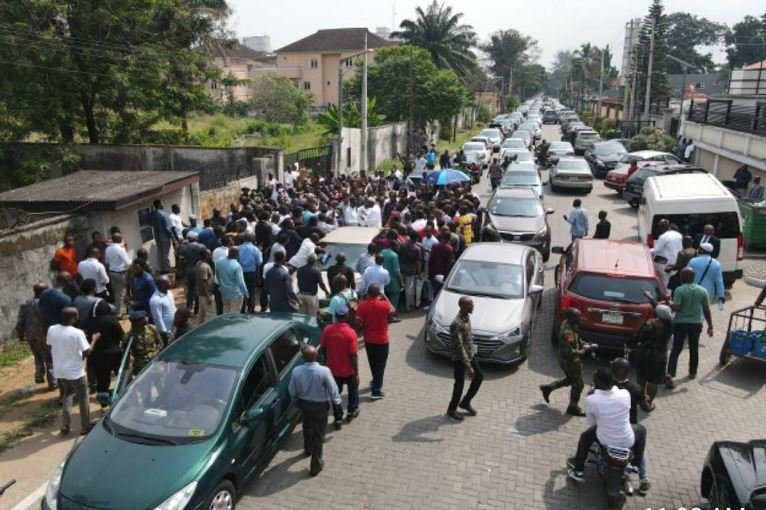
{"x": 462, "y": 136}
{"x": 14, "y": 353}
{"x": 42, "y": 417}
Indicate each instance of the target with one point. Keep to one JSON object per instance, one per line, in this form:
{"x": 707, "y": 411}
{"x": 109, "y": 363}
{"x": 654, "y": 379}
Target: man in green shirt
{"x": 691, "y": 303}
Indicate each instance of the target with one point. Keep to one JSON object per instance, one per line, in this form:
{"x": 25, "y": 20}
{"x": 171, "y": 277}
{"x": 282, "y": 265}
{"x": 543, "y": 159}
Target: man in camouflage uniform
{"x": 464, "y": 360}
{"x": 30, "y": 328}
{"x": 571, "y": 347}
{"x": 145, "y": 341}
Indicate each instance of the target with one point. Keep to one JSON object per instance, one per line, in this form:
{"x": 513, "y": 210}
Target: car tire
{"x": 223, "y": 497}
{"x": 634, "y": 203}
{"x": 588, "y": 191}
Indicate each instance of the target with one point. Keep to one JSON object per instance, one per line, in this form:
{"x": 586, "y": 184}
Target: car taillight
{"x": 568, "y": 302}
{"x": 649, "y": 240}
{"x": 740, "y": 246}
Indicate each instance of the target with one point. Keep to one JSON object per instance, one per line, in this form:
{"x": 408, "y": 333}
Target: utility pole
{"x": 648, "y": 96}
{"x": 626, "y": 88}
{"x": 685, "y": 65}
{"x": 411, "y": 119}
{"x": 600, "y": 86}
{"x": 340, "y": 119}
{"x": 364, "y": 162}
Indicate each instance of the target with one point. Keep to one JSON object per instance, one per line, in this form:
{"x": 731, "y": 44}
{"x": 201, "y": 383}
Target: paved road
{"x": 402, "y": 452}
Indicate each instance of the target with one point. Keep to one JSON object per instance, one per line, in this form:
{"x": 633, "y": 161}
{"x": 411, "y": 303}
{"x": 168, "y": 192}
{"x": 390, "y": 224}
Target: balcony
{"x": 725, "y": 114}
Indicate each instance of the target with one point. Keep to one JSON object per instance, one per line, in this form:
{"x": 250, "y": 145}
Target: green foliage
{"x": 744, "y": 40}
{"x": 352, "y": 116}
{"x": 438, "y": 30}
{"x": 512, "y": 102}
{"x": 106, "y": 72}
{"x": 276, "y": 99}
{"x": 483, "y": 114}
{"x": 13, "y": 353}
{"x": 388, "y": 165}
{"x": 660, "y": 84}
{"x": 30, "y": 163}
{"x": 652, "y": 138}
{"x": 687, "y": 32}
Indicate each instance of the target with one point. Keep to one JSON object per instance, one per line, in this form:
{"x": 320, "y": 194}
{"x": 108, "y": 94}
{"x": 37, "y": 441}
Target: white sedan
{"x": 476, "y": 152}
{"x": 571, "y": 173}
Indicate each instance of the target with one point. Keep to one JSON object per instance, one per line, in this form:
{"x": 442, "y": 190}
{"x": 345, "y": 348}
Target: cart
{"x": 745, "y": 337}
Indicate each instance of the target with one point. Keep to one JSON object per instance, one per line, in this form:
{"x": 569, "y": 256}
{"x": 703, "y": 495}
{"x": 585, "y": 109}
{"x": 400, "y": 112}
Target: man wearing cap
{"x": 707, "y": 272}
{"x": 163, "y": 308}
{"x": 313, "y": 388}
{"x": 143, "y": 340}
{"x": 339, "y": 345}
{"x": 708, "y": 236}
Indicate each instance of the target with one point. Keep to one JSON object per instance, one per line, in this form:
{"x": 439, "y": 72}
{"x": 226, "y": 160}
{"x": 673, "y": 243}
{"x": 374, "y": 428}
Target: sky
{"x": 556, "y": 24}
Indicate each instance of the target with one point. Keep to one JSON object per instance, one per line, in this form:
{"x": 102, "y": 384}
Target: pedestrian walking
{"x": 691, "y": 304}
{"x": 495, "y": 174}
{"x": 65, "y": 257}
{"x": 69, "y": 347}
{"x": 666, "y": 248}
{"x": 376, "y": 274}
{"x": 278, "y": 286}
{"x": 650, "y": 344}
{"x": 104, "y": 327}
{"x": 411, "y": 265}
{"x": 163, "y": 308}
{"x": 373, "y": 315}
{"x": 204, "y": 280}
{"x": 251, "y": 259}
{"x": 92, "y": 268}
{"x": 189, "y": 253}
{"x": 54, "y": 300}
{"x": 117, "y": 265}
{"x": 578, "y": 220}
{"x": 464, "y": 361}
{"x": 309, "y": 283}
{"x": 603, "y": 227}
{"x": 313, "y": 388}
{"x": 395, "y": 284}
{"x": 707, "y": 273}
{"x": 144, "y": 340}
{"x": 338, "y": 345}
{"x": 231, "y": 282}
{"x": 31, "y": 328}
{"x": 571, "y": 348}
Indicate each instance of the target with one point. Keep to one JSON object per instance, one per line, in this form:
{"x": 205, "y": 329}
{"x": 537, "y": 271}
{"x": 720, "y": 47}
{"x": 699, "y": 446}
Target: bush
{"x": 483, "y": 114}
{"x": 170, "y": 136}
{"x": 652, "y": 138}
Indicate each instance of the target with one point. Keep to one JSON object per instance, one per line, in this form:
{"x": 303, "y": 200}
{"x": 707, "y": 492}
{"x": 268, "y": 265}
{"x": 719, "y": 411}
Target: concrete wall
{"x": 383, "y": 143}
{"x": 721, "y": 151}
{"x": 25, "y": 255}
{"x": 220, "y": 198}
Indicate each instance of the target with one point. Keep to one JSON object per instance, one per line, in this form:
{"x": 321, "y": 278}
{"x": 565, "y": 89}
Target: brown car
{"x": 606, "y": 281}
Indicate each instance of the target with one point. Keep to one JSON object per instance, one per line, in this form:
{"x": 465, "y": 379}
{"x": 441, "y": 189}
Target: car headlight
{"x": 512, "y": 335}
{"x": 52, "y": 491}
{"x": 179, "y": 500}
{"x": 541, "y": 233}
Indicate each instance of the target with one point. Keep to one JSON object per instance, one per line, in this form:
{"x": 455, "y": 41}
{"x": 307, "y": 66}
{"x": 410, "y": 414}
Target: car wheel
{"x": 634, "y": 203}
{"x": 587, "y": 191}
{"x": 224, "y": 497}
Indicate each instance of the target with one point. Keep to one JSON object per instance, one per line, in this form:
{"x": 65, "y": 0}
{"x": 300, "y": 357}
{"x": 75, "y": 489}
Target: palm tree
{"x": 438, "y": 30}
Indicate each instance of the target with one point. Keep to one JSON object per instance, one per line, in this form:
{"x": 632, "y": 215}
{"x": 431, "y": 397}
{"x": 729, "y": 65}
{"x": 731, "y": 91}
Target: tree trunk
{"x": 90, "y": 119}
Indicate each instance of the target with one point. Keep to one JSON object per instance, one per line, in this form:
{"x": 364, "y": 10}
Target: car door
{"x": 285, "y": 355}
{"x": 253, "y": 420}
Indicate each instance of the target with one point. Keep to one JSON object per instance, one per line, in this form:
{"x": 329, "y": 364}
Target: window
{"x": 314, "y": 63}
{"x": 726, "y": 224}
{"x": 306, "y": 85}
{"x": 348, "y": 62}
{"x": 614, "y": 290}
{"x": 213, "y": 85}
{"x": 285, "y": 349}
{"x": 256, "y": 385}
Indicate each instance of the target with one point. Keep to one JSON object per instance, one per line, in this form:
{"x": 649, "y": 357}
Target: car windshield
{"x": 484, "y": 278}
{"x": 521, "y": 133}
{"x": 641, "y": 175}
{"x": 607, "y": 149}
{"x": 572, "y": 164}
{"x": 516, "y": 207}
{"x": 478, "y": 146}
{"x": 558, "y": 146}
{"x": 352, "y": 252}
{"x": 490, "y": 133}
{"x": 521, "y": 155}
{"x": 173, "y": 402}
{"x": 516, "y": 178}
{"x": 615, "y": 289}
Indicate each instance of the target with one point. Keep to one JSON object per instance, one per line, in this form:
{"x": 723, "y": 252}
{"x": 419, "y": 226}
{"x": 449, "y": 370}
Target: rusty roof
{"x": 90, "y": 190}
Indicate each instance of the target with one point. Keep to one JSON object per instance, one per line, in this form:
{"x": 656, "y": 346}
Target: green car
{"x": 196, "y": 425}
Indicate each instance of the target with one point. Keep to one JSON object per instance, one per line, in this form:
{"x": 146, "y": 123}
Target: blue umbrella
{"x": 446, "y": 177}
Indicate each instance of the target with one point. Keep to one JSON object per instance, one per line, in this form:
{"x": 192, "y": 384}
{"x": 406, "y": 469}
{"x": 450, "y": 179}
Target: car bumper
{"x": 606, "y": 342}
{"x": 573, "y": 184}
{"x": 617, "y": 186}
{"x": 508, "y": 354}
{"x": 630, "y": 196}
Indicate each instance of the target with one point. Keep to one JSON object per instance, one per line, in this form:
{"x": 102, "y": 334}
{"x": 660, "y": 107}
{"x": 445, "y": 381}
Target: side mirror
{"x": 558, "y": 250}
{"x": 535, "y": 289}
{"x": 250, "y": 416}
{"x": 439, "y": 278}
{"x": 549, "y": 211}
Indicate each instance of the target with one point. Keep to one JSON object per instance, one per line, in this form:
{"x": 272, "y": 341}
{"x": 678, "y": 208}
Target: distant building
{"x": 698, "y": 86}
{"x": 750, "y": 80}
{"x": 236, "y": 62}
{"x": 314, "y": 61}
{"x": 260, "y": 43}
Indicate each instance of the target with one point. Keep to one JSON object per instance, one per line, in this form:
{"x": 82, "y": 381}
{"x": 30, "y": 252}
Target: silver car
{"x": 571, "y": 173}
{"x": 505, "y": 282}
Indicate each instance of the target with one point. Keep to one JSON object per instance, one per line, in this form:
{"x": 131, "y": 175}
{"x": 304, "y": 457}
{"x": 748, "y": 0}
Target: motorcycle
{"x": 474, "y": 172}
{"x": 613, "y": 466}
{"x": 543, "y": 161}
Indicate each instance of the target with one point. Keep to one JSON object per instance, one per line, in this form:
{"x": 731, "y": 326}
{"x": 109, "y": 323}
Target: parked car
{"x": 476, "y": 152}
{"x": 484, "y": 140}
{"x": 634, "y": 187}
{"x": 523, "y": 175}
{"x": 196, "y": 425}
{"x": 524, "y": 135}
{"x": 559, "y": 149}
{"x": 505, "y": 282}
{"x": 533, "y": 127}
{"x": 604, "y": 156}
{"x": 512, "y": 143}
{"x": 734, "y": 475}
{"x": 550, "y": 117}
{"x": 494, "y": 135}
{"x": 571, "y": 173}
{"x": 616, "y": 179}
{"x": 585, "y": 139}
{"x": 606, "y": 281}
{"x": 535, "y": 117}
{"x": 522, "y": 155}
{"x": 517, "y": 214}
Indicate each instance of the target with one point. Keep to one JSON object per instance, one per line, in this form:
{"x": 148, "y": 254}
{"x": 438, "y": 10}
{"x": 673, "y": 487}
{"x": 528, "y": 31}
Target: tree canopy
{"x": 276, "y": 99}
{"x": 745, "y": 41}
{"x": 513, "y": 57}
{"x": 686, "y": 33}
{"x": 655, "y": 20}
{"x": 439, "y": 31}
{"x": 104, "y": 71}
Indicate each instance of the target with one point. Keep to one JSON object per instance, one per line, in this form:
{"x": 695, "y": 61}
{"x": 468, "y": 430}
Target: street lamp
{"x": 364, "y": 103}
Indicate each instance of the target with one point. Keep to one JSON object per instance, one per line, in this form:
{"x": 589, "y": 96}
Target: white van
{"x": 692, "y": 201}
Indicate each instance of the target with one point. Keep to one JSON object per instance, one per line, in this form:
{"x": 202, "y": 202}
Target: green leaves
{"x": 352, "y": 116}
{"x": 276, "y": 99}
{"x": 686, "y": 32}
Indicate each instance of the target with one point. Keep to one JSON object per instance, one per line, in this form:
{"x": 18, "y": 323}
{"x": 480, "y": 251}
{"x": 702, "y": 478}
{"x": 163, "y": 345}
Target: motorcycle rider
{"x": 542, "y": 153}
{"x": 607, "y": 410}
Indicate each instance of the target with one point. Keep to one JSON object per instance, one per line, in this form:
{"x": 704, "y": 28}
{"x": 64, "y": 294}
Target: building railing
{"x": 724, "y": 113}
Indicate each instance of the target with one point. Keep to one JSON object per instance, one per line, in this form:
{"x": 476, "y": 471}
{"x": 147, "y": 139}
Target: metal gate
{"x": 318, "y": 159}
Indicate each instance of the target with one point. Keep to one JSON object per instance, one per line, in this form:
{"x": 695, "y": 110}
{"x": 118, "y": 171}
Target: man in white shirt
{"x": 69, "y": 347}
{"x": 689, "y": 151}
{"x": 308, "y": 247}
{"x": 370, "y": 215}
{"x": 290, "y": 177}
{"x": 176, "y": 224}
{"x": 163, "y": 307}
{"x": 666, "y": 247}
{"x": 92, "y": 268}
{"x": 420, "y": 164}
{"x": 607, "y": 410}
{"x": 350, "y": 213}
{"x": 117, "y": 264}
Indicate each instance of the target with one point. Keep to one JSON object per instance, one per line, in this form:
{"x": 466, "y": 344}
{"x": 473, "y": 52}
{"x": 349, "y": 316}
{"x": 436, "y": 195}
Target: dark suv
{"x": 550, "y": 117}
{"x": 634, "y": 187}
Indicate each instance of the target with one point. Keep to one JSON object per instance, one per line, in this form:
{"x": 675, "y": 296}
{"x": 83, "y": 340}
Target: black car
{"x": 550, "y": 117}
{"x": 634, "y": 188}
{"x": 604, "y": 156}
{"x": 734, "y": 475}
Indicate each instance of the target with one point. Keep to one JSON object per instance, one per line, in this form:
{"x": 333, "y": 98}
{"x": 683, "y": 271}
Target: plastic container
{"x": 753, "y": 225}
{"x": 741, "y": 342}
{"x": 759, "y": 348}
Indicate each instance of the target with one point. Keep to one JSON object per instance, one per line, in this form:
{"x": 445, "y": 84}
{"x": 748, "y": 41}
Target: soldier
{"x": 571, "y": 347}
{"x": 464, "y": 361}
{"x": 30, "y": 328}
{"x": 146, "y": 340}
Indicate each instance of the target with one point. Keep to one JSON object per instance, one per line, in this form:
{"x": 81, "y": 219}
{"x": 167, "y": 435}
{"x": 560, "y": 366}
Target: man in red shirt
{"x": 441, "y": 260}
{"x": 65, "y": 258}
{"x": 373, "y": 314}
{"x": 339, "y": 345}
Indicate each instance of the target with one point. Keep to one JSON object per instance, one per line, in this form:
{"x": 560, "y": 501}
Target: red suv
{"x": 606, "y": 281}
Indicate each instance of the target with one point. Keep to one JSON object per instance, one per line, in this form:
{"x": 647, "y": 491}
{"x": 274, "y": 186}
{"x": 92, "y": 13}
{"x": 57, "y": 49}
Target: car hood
{"x": 509, "y": 224}
{"x": 609, "y": 158}
{"x": 108, "y": 472}
{"x": 491, "y": 316}
{"x": 745, "y": 465}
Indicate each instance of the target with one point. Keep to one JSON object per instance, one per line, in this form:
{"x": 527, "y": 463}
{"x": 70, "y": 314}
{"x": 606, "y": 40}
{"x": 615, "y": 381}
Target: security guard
{"x": 571, "y": 347}
{"x": 145, "y": 341}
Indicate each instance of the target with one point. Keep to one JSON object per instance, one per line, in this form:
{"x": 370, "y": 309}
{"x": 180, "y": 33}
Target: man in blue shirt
{"x": 313, "y": 388}
{"x": 142, "y": 288}
{"x": 163, "y": 235}
{"x": 376, "y": 274}
{"x": 54, "y": 300}
{"x": 231, "y": 282}
{"x": 278, "y": 285}
{"x": 578, "y": 220}
{"x": 163, "y": 308}
{"x": 707, "y": 273}
{"x": 250, "y": 258}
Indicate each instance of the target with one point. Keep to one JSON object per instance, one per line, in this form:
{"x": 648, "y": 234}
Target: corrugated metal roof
{"x": 96, "y": 190}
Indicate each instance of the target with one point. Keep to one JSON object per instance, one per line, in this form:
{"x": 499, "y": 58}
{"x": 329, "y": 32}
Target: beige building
{"x": 240, "y": 63}
{"x": 314, "y": 61}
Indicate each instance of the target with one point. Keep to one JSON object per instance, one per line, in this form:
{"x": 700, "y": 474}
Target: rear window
{"x": 726, "y": 223}
{"x": 614, "y": 289}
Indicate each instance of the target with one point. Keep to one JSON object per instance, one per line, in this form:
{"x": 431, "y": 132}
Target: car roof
{"x": 673, "y": 168}
{"x": 694, "y": 186}
{"x": 496, "y": 252}
{"x": 628, "y": 258}
{"x": 519, "y": 192}
{"x": 646, "y": 153}
{"x": 230, "y": 340}
{"x": 350, "y": 235}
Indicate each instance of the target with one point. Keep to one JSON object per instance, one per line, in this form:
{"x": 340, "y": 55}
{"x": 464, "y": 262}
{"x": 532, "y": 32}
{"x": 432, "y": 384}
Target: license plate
{"x": 612, "y": 318}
